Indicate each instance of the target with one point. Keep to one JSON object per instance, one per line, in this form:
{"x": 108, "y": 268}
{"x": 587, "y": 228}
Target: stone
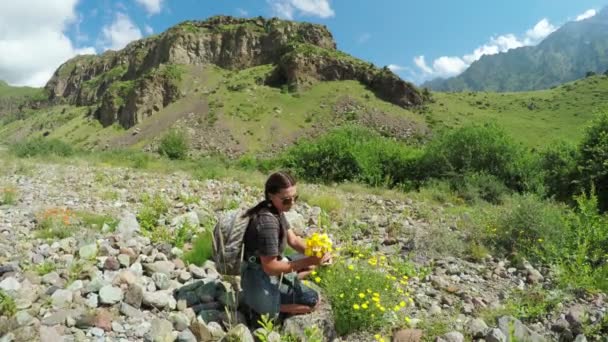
{"x": 117, "y": 327}
{"x": 124, "y": 260}
{"x": 240, "y": 332}
{"x": 92, "y": 301}
{"x": 158, "y": 299}
{"x": 88, "y": 252}
{"x": 197, "y": 272}
{"x": 453, "y": 336}
{"x": 62, "y": 298}
{"x": 477, "y": 328}
{"x": 77, "y": 285}
{"x": 184, "y": 276}
{"x": 216, "y": 330}
{"x": 580, "y": 338}
{"x": 23, "y": 318}
{"x": 134, "y": 295}
{"x": 179, "y": 320}
{"x": 190, "y": 217}
{"x": 127, "y": 226}
{"x": 103, "y": 319}
{"x": 407, "y": 335}
{"x": 10, "y": 284}
{"x": 197, "y": 292}
{"x": 98, "y": 332}
{"x": 111, "y": 264}
{"x": 321, "y": 318}
{"x": 522, "y": 333}
{"x": 110, "y": 295}
{"x": 50, "y": 334}
{"x": 495, "y": 335}
{"x": 165, "y": 267}
{"x": 161, "y": 280}
{"x": 186, "y": 336}
{"x": 52, "y": 279}
{"x": 161, "y": 331}
{"x": 130, "y": 311}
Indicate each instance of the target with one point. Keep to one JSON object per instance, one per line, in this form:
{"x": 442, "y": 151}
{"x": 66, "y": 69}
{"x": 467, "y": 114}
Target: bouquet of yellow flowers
{"x": 318, "y": 245}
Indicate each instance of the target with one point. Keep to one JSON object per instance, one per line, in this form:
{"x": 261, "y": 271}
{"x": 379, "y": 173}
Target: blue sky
{"x": 419, "y": 40}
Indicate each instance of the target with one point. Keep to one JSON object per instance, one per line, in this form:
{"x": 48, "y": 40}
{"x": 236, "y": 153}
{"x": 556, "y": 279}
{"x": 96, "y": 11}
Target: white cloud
{"x": 288, "y": 8}
{"x": 448, "y": 66}
{"x": 242, "y": 13}
{"x": 121, "y": 32}
{"x": 587, "y": 14}
{"x": 542, "y": 29}
{"x": 421, "y": 63}
{"x": 151, "y": 6}
{"x": 397, "y": 68}
{"x": 364, "y": 38}
{"x": 148, "y": 29}
{"x": 33, "y": 40}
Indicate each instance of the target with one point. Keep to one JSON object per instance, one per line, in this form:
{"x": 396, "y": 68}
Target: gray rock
{"x": 50, "y": 334}
{"x": 161, "y": 280}
{"x": 189, "y": 217}
{"x": 124, "y": 260}
{"x": 62, "y": 298}
{"x": 434, "y": 310}
{"x": 186, "y": 336}
{"x": 127, "y": 226}
{"x": 23, "y": 318}
{"x": 10, "y": 284}
{"x": 52, "y": 279}
{"x": 158, "y": 299}
{"x": 117, "y": 327}
{"x": 98, "y": 332}
{"x": 477, "y": 328}
{"x": 495, "y": 335}
{"x": 161, "y": 331}
{"x": 453, "y": 336}
{"x": 184, "y": 276}
{"x": 165, "y": 267}
{"x": 240, "y": 332}
{"x": 321, "y": 318}
{"x": 134, "y": 295}
{"x": 179, "y": 320}
{"x": 92, "y": 300}
{"x": 88, "y": 252}
{"x": 197, "y": 292}
{"x": 76, "y": 286}
{"x": 197, "y": 272}
{"x": 580, "y": 338}
{"x": 521, "y": 332}
{"x": 216, "y": 330}
{"x": 130, "y": 311}
{"x": 110, "y": 295}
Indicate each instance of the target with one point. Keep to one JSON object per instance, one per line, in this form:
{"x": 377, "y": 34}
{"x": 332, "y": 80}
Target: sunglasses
{"x": 289, "y": 200}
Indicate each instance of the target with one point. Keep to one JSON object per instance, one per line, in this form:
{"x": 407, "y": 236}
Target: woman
{"x": 269, "y": 281}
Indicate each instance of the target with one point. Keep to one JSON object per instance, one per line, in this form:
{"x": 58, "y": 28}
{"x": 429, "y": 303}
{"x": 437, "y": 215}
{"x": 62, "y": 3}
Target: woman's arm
{"x": 273, "y": 266}
{"x": 295, "y": 242}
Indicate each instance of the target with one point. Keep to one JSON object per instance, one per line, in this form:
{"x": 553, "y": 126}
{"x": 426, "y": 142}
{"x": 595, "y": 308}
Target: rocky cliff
{"x": 133, "y": 83}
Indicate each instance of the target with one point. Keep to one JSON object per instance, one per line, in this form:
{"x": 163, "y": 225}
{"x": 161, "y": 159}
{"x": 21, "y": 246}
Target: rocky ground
{"x": 116, "y": 285}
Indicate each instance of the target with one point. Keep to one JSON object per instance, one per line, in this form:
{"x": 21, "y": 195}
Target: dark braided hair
{"x": 274, "y": 184}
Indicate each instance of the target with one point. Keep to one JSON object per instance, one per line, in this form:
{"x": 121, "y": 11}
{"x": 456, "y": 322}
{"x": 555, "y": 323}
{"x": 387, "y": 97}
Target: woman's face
{"x": 285, "y": 199}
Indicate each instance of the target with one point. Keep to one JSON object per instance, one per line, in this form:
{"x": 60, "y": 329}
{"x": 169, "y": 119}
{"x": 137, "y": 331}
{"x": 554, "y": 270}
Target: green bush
{"x": 560, "y": 171}
{"x": 525, "y": 224}
{"x": 593, "y": 157}
{"x": 583, "y": 259}
{"x": 479, "y": 149}
{"x": 476, "y": 187}
{"x": 42, "y": 147}
{"x": 7, "y": 305}
{"x": 353, "y": 153}
{"x": 174, "y": 145}
{"x": 202, "y": 249}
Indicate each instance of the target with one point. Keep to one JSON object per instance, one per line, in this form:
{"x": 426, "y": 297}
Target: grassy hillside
{"x": 535, "y": 118}
{"x": 232, "y": 111}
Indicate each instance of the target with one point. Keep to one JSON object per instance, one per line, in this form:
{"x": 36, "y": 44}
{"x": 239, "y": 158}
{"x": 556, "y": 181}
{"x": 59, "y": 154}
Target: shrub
{"x": 42, "y": 147}
{"x": 202, "y": 249}
{"x": 353, "y": 153}
{"x": 478, "y": 149}
{"x": 152, "y": 209}
{"x": 477, "y": 187}
{"x": 593, "y": 156}
{"x": 174, "y": 145}
{"x": 583, "y": 260}
{"x": 560, "y": 172}
{"x": 8, "y": 196}
{"x": 55, "y": 223}
{"x": 366, "y": 293}
{"x": 7, "y": 305}
{"x": 525, "y": 224}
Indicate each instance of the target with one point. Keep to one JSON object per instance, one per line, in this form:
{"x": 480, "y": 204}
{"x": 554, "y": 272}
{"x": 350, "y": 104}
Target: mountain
{"x": 233, "y": 85}
{"x": 565, "y": 55}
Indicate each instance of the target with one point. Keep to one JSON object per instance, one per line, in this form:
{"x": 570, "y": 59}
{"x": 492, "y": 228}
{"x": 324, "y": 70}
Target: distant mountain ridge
{"x": 565, "y": 55}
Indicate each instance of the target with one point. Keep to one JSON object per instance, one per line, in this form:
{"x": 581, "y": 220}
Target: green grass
{"x": 202, "y": 249}
{"x": 7, "y": 305}
{"x": 535, "y": 118}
